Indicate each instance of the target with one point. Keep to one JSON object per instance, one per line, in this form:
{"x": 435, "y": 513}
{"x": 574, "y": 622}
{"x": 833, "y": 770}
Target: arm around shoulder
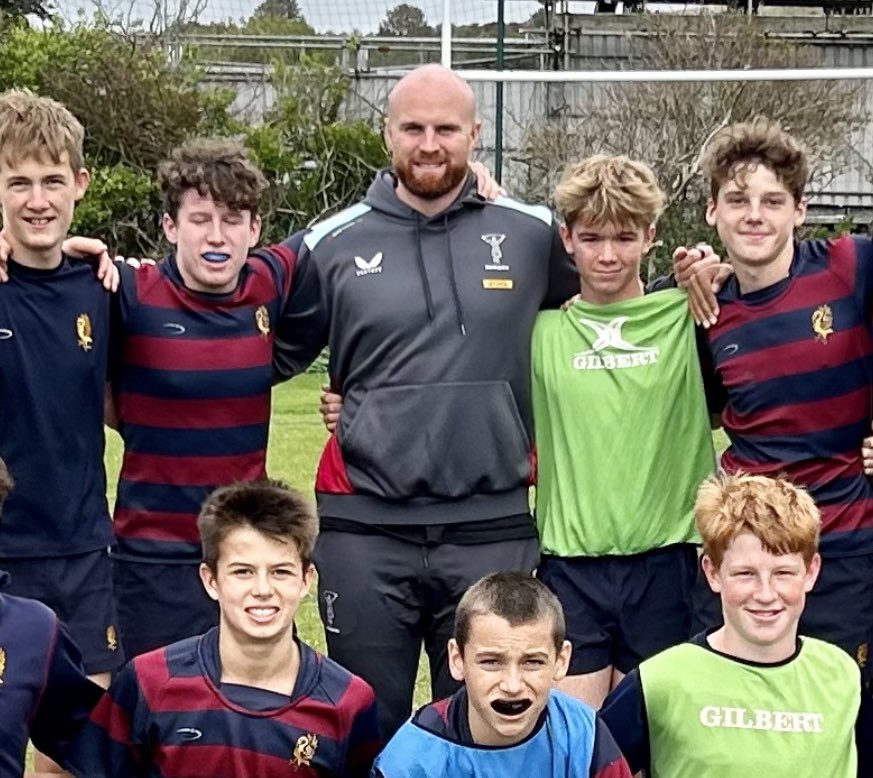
{"x": 302, "y": 329}
{"x": 67, "y": 699}
{"x": 113, "y": 743}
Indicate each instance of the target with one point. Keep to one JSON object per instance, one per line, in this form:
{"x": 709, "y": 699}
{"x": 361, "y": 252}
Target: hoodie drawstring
{"x": 450, "y": 260}
{"x": 459, "y": 309}
{"x": 428, "y": 298}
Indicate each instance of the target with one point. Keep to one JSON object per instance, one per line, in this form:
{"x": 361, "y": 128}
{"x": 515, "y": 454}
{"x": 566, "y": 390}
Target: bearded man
{"x": 431, "y": 293}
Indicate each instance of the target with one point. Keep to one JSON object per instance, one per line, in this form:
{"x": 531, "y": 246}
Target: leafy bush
{"x": 136, "y": 107}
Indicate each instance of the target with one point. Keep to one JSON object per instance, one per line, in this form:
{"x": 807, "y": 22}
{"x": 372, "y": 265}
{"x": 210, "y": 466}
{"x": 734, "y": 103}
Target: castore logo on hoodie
{"x": 367, "y": 267}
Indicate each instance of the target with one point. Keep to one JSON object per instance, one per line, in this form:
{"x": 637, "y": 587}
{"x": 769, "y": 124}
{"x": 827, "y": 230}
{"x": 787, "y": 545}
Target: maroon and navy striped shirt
{"x": 191, "y": 379}
{"x": 794, "y": 362}
{"x": 168, "y": 715}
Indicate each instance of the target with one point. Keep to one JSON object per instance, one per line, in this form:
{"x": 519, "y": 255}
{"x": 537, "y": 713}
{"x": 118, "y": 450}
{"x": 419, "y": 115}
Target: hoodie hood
{"x": 382, "y": 196}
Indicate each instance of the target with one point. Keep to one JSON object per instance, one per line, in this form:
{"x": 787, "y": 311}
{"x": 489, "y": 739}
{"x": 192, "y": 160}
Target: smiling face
{"x": 762, "y": 597}
{"x": 430, "y": 132}
{"x": 37, "y": 200}
{"x": 258, "y": 583}
{"x": 755, "y": 216}
{"x": 212, "y": 242}
{"x": 608, "y": 259}
{"x": 509, "y": 673}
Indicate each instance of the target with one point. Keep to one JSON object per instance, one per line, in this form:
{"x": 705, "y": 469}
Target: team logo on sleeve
{"x": 83, "y": 331}
{"x": 494, "y": 240}
{"x": 304, "y": 751}
{"x": 262, "y": 320}
{"x": 823, "y": 323}
{"x": 2, "y": 665}
{"x": 111, "y": 638}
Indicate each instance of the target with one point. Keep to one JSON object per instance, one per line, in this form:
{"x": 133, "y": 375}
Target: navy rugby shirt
{"x": 45, "y": 694}
{"x": 54, "y": 340}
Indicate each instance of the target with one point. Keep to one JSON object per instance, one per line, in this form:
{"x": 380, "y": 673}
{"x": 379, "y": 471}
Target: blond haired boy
{"x": 617, "y": 372}
{"x": 54, "y": 321}
{"x": 750, "y": 695}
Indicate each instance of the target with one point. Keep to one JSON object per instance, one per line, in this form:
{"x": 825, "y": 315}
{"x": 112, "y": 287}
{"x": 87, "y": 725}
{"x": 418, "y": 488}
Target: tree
{"x": 18, "y": 9}
{"x": 281, "y": 9}
{"x": 316, "y": 162}
{"x": 134, "y": 106}
{"x": 668, "y": 125}
{"x": 405, "y": 20}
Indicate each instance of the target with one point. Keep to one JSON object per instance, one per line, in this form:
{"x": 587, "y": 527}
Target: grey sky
{"x": 336, "y": 15}
{"x": 366, "y": 14}
{"x": 324, "y": 15}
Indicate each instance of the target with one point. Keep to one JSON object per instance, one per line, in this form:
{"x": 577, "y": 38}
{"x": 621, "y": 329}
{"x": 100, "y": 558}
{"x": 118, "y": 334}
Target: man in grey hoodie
{"x": 432, "y": 294}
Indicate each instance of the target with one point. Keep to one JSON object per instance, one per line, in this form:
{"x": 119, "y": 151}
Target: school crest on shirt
{"x": 262, "y": 320}
{"x": 304, "y": 751}
{"x": 823, "y": 323}
{"x": 111, "y": 638}
{"x": 2, "y": 665}
{"x": 83, "y": 331}
{"x": 862, "y": 654}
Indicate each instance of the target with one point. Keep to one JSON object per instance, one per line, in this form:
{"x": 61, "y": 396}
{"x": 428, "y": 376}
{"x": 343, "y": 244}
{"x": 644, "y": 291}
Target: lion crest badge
{"x": 823, "y": 323}
{"x": 83, "y": 331}
{"x": 262, "y": 320}
{"x": 304, "y": 751}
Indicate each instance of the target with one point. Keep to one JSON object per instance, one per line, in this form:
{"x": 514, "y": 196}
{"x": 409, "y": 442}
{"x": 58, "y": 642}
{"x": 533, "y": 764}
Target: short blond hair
{"x": 609, "y": 190}
{"x": 781, "y": 515}
{"x": 739, "y": 148}
{"x": 38, "y": 128}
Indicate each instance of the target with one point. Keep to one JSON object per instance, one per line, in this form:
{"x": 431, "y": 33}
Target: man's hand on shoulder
{"x": 486, "y": 185}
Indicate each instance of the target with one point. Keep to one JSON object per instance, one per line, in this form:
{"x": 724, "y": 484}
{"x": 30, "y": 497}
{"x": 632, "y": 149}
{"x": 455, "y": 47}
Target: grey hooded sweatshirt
{"x": 430, "y": 320}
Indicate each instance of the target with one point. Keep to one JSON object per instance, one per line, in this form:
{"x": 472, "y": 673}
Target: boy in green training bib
{"x": 750, "y": 696}
{"x": 622, "y": 433}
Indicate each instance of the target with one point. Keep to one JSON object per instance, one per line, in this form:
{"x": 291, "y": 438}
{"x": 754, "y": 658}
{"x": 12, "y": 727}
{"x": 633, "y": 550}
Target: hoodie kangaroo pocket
{"x": 445, "y": 441}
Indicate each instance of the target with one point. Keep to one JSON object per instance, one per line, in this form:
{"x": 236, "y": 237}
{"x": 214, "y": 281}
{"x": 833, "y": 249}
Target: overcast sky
{"x": 366, "y": 14}
{"x": 336, "y": 15}
{"x": 323, "y": 15}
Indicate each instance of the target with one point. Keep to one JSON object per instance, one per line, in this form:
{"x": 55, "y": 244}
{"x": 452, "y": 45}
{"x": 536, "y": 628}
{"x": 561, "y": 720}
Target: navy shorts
{"x": 159, "y": 604}
{"x": 79, "y": 590}
{"x": 621, "y": 610}
{"x": 839, "y": 608}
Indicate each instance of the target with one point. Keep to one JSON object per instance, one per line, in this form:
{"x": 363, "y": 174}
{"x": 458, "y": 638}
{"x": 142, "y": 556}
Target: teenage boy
{"x": 508, "y": 650}
{"x": 54, "y": 340}
{"x": 193, "y": 340}
{"x": 248, "y": 697}
{"x": 617, "y": 539}
{"x": 46, "y": 696}
{"x": 792, "y": 350}
{"x": 750, "y": 696}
